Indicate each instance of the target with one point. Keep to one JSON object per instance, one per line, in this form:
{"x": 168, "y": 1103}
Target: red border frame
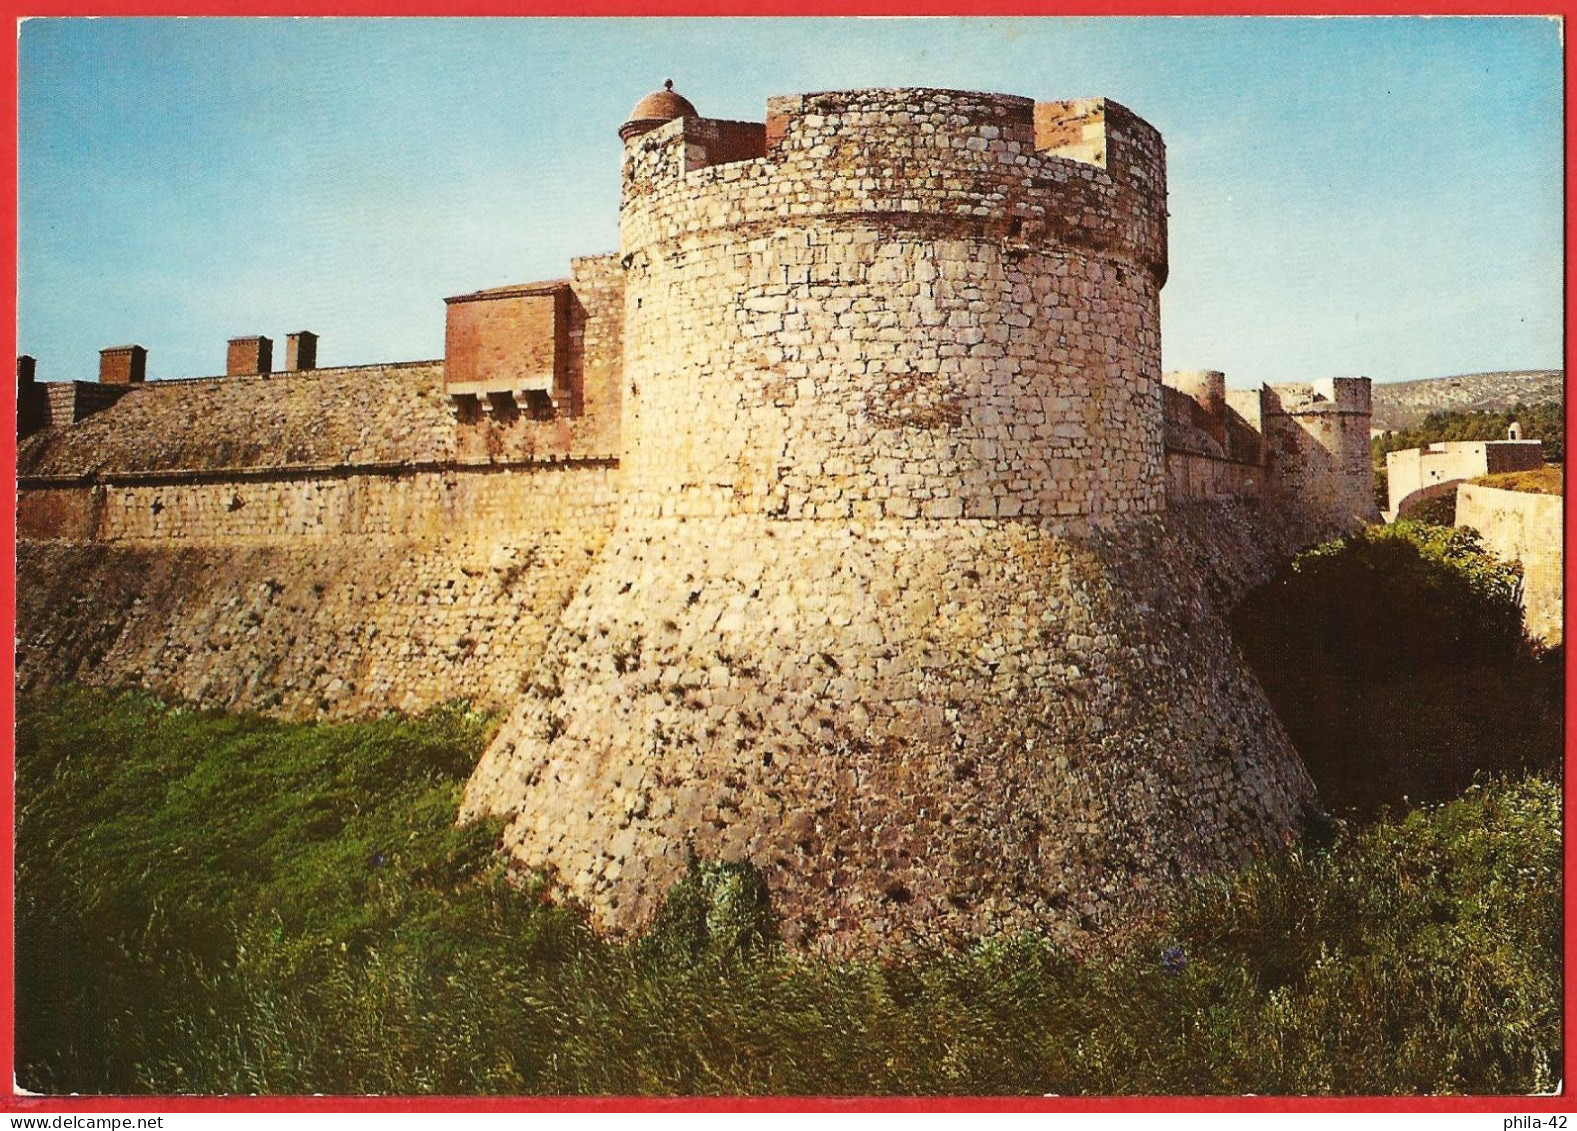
{"x": 10, "y": 1101}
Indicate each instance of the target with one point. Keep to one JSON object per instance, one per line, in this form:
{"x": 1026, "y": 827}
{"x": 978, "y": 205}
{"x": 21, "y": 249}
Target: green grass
{"x": 221, "y": 904}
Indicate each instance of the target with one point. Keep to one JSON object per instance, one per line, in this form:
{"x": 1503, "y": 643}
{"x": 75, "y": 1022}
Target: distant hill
{"x": 1406, "y": 403}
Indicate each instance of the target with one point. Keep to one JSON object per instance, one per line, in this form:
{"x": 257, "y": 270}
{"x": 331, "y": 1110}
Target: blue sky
{"x": 1348, "y": 196}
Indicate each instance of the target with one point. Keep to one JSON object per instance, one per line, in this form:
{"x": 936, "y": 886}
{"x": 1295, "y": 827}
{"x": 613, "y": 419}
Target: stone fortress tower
{"x": 841, "y": 521}
{"x": 890, "y": 608}
{"x": 918, "y": 304}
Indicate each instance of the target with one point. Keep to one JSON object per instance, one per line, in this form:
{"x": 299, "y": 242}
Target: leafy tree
{"x": 1545, "y": 421}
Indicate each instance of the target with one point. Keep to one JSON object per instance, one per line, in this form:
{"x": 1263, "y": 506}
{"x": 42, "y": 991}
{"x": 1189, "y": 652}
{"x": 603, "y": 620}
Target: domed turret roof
{"x": 656, "y": 108}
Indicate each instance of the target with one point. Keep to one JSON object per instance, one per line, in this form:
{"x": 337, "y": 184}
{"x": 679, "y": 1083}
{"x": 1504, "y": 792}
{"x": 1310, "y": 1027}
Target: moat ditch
{"x": 222, "y": 903}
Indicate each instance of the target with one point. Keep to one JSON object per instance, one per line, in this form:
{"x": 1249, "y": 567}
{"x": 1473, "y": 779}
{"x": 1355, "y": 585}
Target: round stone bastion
{"x": 892, "y": 609}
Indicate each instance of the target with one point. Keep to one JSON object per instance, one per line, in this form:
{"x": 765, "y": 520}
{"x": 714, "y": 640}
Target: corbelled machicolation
{"x": 842, "y": 521}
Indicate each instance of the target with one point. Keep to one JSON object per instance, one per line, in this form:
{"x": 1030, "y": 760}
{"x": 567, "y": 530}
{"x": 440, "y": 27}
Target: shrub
{"x": 1439, "y": 511}
{"x": 718, "y": 909}
{"x": 1397, "y": 661}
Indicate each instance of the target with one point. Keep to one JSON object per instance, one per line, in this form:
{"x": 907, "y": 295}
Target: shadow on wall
{"x": 1436, "y": 503}
{"x": 1397, "y": 661}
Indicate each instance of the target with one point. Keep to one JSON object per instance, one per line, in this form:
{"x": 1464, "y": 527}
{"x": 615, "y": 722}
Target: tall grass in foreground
{"x": 222, "y": 904}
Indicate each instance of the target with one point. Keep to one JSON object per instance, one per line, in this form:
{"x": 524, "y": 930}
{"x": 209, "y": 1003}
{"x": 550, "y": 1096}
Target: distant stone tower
{"x": 1317, "y": 450}
{"x": 889, "y": 610}
{"x": 1208, "y": 388}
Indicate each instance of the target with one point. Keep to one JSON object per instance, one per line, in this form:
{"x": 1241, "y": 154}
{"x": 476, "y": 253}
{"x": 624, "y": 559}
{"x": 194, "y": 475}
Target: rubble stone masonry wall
{"x": 918, "y": 731}
{"x": 342, "y": 596}
{"x": 415, "y": 506}
{"x": 1211, "y": 452}
{"x": 328, "y": 627}
{"x": 1194, "y": 475}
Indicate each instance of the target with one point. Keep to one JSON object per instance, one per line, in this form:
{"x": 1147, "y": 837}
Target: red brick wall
{"x": 122, "y": 365}
{"x": 724, "y": 142}
{"x": 507, "y": 335}
{"x": 588, "y": 335}
{"x": 249, "y": 356}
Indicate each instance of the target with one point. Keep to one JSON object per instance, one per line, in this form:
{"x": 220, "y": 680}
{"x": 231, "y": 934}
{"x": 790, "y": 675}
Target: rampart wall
{"x": 344, "y": 596}
{"x": 304, "y": 544}
{"x": 1412, "y": 472}
{"x": 422, "y": 505}
{"x": 1211, "y": 450}
{"x": 1525, "y": 527}
{"x": 327, "y": 627}
{"x": 1195, "y": 475}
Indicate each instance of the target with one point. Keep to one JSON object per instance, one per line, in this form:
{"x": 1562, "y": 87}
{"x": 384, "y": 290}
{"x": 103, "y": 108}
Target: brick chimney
{"x": 123, "y": 365}
{"x": 249, "y": 356}
{"x": 301, "y": 351}
{"x": 32, "y": 410}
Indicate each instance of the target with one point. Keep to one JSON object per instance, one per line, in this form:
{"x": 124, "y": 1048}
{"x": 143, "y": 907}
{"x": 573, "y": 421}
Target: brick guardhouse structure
{"x": 842, "y": 522}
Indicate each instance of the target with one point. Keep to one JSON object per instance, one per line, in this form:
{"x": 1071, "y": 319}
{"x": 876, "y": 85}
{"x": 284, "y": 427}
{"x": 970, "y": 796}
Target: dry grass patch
{"x": 1543, "y": 481}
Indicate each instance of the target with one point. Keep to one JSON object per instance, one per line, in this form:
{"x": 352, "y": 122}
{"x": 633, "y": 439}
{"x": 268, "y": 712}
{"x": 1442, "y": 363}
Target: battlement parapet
{"x": 1200, "y": 397}
{"x": 1306, "y": 445}
{"x": 1344, "y": 395}
{"x": 1075, "y": 175}
{"x": 901, "y": 308}
{"x": 273, "y": 379}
